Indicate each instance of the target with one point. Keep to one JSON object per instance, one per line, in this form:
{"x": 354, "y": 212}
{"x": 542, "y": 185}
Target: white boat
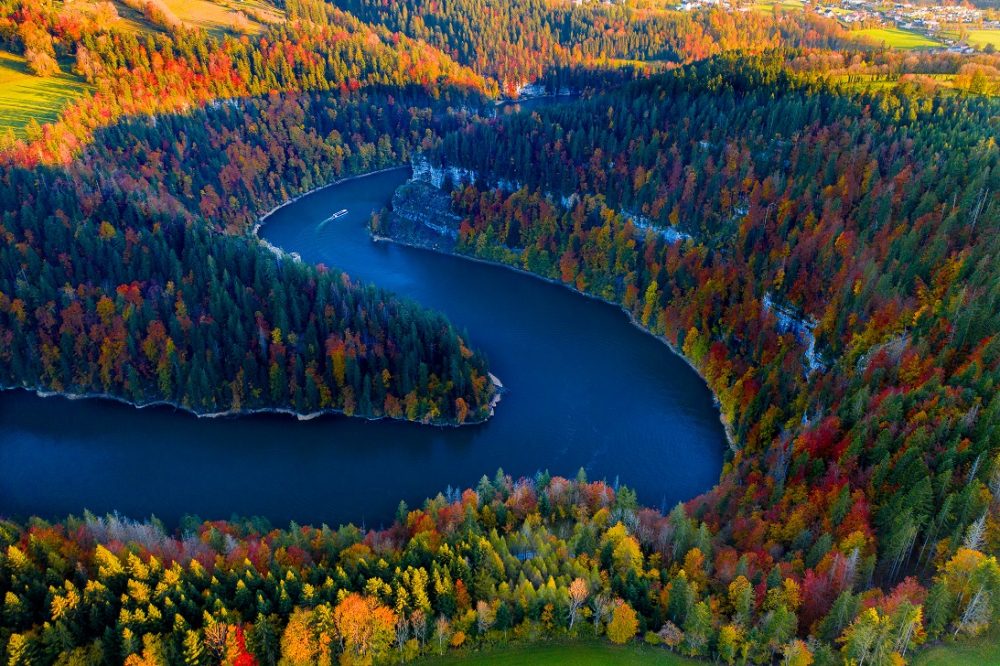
{"x": 340, "y": 213}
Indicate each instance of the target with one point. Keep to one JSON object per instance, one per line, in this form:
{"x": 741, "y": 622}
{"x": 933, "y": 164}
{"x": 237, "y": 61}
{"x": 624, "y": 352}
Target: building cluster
{"x": 693, "y": 5}
{"x": 935, "y": 21}
{"x": 903, "y": 15}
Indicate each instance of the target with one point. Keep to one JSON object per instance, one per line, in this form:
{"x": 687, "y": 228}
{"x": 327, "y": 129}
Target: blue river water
{"x": 584, "y": 388}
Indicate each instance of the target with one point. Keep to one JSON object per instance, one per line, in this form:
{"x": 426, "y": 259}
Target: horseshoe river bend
{"x": 584, "y": 388}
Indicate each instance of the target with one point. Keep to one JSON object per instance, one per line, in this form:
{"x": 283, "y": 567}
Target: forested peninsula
{"x": 147, "y": 288}
{"x": 811, "y": 219}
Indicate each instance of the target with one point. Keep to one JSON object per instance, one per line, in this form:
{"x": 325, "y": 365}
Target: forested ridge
{"x": 518, "y": 41}
{"x": 137, "y": 297}
{"x": 824, "y": 255}
{"x": 133, "y": 295}
{"x": 320, "y": 48}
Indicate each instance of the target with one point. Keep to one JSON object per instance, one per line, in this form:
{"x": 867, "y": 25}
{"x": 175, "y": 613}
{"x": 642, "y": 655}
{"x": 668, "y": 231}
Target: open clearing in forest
{"x": 981, "y": 651}
{"x": 24, "y": 96}
{"x": 898, "y": 39}
{"x": 880, "y": 81}
{"x": 217, "y": 17}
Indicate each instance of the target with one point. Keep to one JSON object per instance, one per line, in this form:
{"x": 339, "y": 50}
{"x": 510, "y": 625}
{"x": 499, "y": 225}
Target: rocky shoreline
{"x": 239, "y": 413}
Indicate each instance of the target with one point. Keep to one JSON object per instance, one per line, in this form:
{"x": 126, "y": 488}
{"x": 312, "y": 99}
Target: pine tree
{"x": 194, "y": 649}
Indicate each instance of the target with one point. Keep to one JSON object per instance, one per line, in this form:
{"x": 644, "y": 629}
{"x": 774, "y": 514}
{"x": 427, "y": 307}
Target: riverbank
{"x": 261, "y": 219}
{"x": 257, "y": 411}
{"x": 285, "y": 411}
{"x": 435, "y": 247}
{"x": 582, "y": 388}
{"x": 498, "y": 390}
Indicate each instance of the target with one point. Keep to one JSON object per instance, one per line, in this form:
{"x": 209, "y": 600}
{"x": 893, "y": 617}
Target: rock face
{"x": 420, "y": 215}
{"x": 438, "y": 177}
{"x": 435, "y": 175}
{"x": 802, "y": 327}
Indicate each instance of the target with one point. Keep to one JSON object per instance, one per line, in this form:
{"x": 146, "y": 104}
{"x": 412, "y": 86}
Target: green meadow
{"x": 981, "y": 38}
{"x": 898, "y": 39}
{"x": 980, "y": 651}
{"x": 24, "y": 96}
{"x": 583, "y": 653}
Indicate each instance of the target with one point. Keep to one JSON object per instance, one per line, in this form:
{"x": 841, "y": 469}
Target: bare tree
{"x": 215, "y": 639}
{"x": 486, "y": 615}
{"x": 402, "y": 631}
{"x": 578, "y": 594}
{"x": 974, "y": 536}
{"x": 995, "y": 481}
{"x": 975, "y": 612}
{"x": 419, "y": 623}
{"x": 602, "y": 606}
{"x": 442, "y": 630}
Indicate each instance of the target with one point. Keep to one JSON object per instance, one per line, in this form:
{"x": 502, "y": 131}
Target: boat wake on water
{"x": 340, "y": 213}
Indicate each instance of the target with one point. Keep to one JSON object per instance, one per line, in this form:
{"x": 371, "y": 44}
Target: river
{"x": 584, "y": 388}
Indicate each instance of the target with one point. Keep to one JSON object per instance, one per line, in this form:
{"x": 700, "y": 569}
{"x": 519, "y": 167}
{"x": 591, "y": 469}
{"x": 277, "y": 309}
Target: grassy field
{"x": 898, "y": 39}
{"x": 982, "y": 651}
{"x": 217, "y": 16}
{"x": 769, "y": 5}
{"x": 24, "y": 96}
{"x": 877, "y": 81}
{"x": 980, "y": 38}
{"x": 589, "y": 653}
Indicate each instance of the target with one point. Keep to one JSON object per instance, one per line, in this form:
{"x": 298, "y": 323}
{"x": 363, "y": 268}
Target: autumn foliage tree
{"x": 366, "y": 627}
{"x": 624, "y": 624}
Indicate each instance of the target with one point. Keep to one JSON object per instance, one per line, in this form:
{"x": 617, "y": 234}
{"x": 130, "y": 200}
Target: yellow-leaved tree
{"x": 298, "y": 645}
{"x": 624, "y": 624}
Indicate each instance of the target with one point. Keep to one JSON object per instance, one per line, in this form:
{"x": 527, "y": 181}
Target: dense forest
{"x": 825, "y": 258}
{"x": 135, "y": 295}
{"x": 508, "y": 561}
{"x": 740, "y": 236}
{"x": 822, "y": 251}
{"x": 518, "y": 41}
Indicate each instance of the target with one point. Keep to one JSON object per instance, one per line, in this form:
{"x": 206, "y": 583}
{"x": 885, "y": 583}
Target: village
{"x": 955, "y": 28}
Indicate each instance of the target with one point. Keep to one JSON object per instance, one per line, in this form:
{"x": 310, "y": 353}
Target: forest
{"x": 518, "y": 42}
{"x": 135, "y": 293}
{"x": 508, "y": 561}
{"x": 820, "y": 248}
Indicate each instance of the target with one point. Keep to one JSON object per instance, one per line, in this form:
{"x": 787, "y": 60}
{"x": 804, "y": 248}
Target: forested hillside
{"x": 517, "y": 41}
{"x": 812, "y": 223}
{"x": 135, "y": 295}
{"x": 743, "y": 219}
{"x": 510, "y": 561}
{"x": 322, "y": 48}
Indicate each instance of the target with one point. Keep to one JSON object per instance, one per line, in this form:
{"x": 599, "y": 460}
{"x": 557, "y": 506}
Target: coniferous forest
{"x": 811, "y": 219}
